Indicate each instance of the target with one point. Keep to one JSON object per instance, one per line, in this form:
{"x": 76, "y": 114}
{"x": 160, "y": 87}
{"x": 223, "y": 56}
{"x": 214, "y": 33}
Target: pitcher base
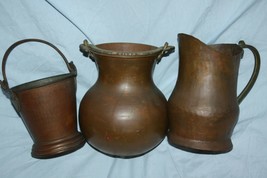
{"x": 201, "y": 146}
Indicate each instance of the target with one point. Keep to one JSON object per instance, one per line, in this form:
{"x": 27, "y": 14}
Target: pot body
{"x": 203, "y": 107}
{"x": 124, "y": 114}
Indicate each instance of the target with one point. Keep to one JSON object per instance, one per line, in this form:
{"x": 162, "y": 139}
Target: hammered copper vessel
{"x": 124, "y": 114}
{"x": 203, "y": 108}
{"x": 47, "y": 108}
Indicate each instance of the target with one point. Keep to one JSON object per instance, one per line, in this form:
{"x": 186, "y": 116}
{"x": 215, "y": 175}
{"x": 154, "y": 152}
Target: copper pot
{"x": 47, "y": 108}
{"x": 124, "y": 114}
{"x": 203, "y": 108}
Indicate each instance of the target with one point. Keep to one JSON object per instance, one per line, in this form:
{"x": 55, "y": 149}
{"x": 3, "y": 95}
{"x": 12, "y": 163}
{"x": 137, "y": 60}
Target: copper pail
{"x": 48, "y": 108}
{"x": 203, "y": 108}
{"x": 124, "y": 114}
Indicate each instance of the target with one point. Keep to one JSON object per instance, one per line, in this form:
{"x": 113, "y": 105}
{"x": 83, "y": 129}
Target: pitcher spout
{"x": 227, "y": 50}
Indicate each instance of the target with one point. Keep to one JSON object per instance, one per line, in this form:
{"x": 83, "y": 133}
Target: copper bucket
{"x": 48, "y": 108}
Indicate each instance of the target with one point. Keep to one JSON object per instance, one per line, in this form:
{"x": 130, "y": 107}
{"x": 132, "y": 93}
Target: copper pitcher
{"x": 48, "y": 108}
{"x": 203, "y": 108}
{"x": 124, "y": 114}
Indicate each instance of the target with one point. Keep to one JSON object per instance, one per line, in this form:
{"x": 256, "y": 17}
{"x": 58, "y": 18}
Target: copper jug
{"x": 124, "y": 114}
{"x": 48, "y": 108}
{"x": 203, "y": 108}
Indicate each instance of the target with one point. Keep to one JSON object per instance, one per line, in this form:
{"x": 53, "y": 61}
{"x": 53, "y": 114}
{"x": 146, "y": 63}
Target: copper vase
{"x": 48, "y": 108}
{"x": 203, "y": 108}
{"x": 124, "y": 114}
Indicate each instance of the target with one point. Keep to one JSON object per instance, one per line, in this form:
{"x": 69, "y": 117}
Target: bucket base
{"x": 58, "y": 147}
{"x": 200, "y": 146}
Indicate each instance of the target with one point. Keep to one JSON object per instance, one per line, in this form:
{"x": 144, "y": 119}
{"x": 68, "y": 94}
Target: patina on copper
{"x": 124, "y": 114}
{"x": 203, "y": 108}
{"x": 48, "y": 108}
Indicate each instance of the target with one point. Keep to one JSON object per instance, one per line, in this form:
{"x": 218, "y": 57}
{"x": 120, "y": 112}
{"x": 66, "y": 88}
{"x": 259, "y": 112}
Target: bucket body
{"x": 48, "y": 110}
{"x": 124, "y": 114}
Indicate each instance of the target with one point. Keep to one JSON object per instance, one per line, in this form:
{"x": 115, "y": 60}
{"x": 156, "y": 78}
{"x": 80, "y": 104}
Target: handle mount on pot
{"x": 255, "y": 72}
{"x": 165, "y": 51}
{"x": 84, "y": 48}
{"x": 4, "y": 84}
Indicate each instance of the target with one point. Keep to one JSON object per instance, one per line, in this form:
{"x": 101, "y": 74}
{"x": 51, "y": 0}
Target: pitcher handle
{"x": 4, "y": 84}
{"x": 255, "y": 72}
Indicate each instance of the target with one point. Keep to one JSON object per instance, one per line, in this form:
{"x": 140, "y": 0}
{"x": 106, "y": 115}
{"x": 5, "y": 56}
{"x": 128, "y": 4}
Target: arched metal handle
{"x": 4, "y": 84}
{"x": 255, "y": 72}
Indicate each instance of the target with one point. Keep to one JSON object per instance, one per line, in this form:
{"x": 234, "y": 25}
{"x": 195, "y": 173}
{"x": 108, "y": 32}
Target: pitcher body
{"x": 203, "y": 108}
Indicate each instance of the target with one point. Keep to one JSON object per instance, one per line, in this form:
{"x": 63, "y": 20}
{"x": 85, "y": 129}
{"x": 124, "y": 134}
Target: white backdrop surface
{"x": 67, "y": 23}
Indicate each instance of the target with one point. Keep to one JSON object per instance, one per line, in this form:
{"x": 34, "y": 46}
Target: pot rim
{"x": 96, "y": 49}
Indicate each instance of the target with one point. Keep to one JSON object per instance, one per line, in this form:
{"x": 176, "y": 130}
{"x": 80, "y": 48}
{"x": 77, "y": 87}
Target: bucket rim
{"x": 42, "y": 82}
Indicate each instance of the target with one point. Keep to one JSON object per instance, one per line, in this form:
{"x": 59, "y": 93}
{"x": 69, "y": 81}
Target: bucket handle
{"x": 255, "y": 72}
{"x": 4, "y": 84}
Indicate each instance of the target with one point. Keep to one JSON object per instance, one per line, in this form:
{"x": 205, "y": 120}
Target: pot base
{"x": 58, "y": 147}
{"x": 120, "y": 154}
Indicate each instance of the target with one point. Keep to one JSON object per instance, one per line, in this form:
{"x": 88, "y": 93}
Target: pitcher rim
{"x": 209, "y": 46}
